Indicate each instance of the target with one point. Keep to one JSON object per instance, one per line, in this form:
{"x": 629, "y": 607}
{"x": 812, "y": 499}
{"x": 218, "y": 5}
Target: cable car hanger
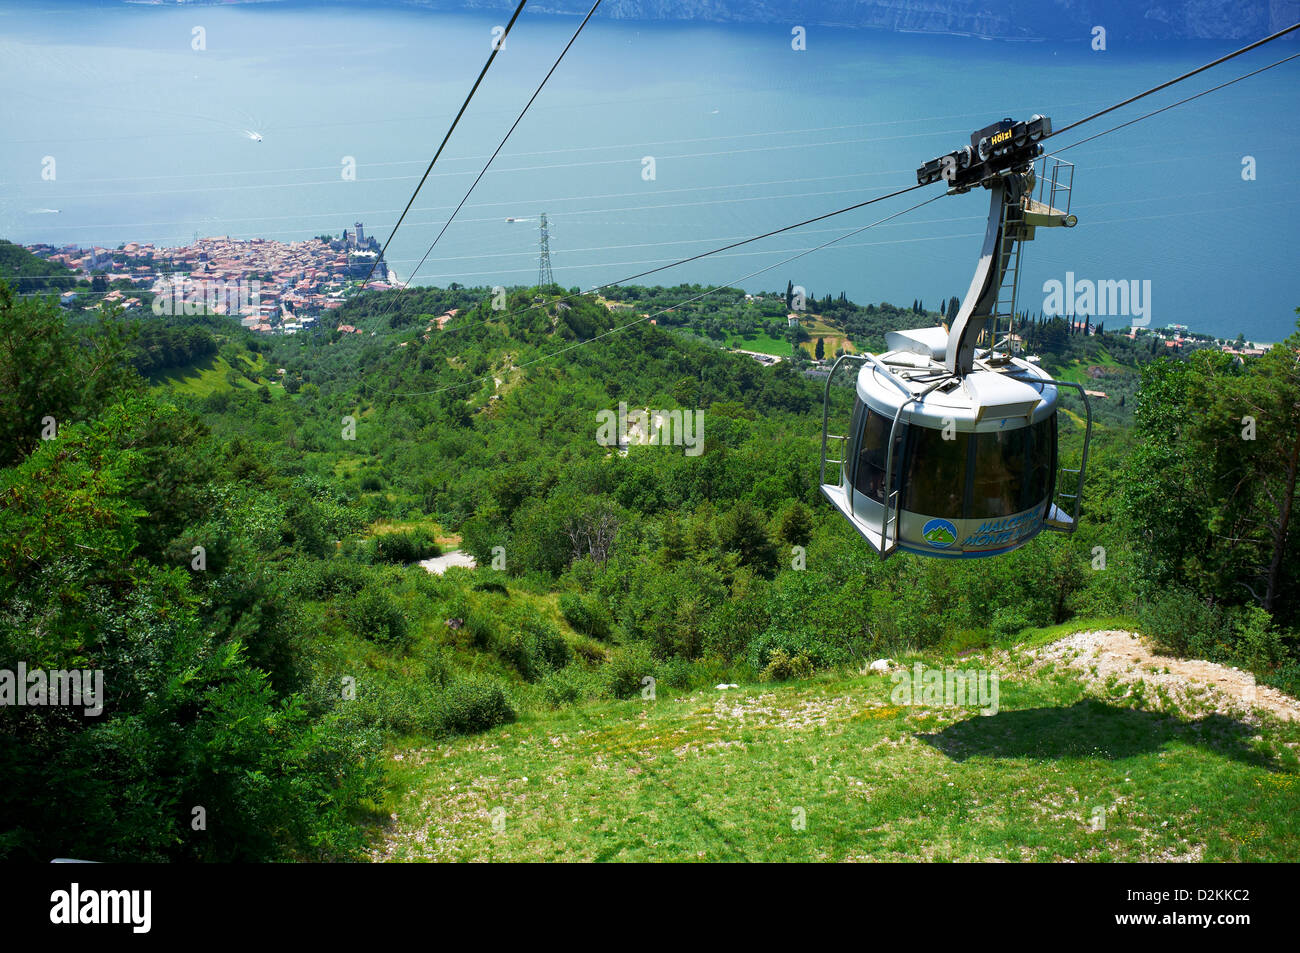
{"x": 952, "y": 450}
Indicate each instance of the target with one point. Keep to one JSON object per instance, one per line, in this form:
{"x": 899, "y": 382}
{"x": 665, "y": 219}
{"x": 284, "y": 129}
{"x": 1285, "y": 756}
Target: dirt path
{"x": 1099, "y": 655}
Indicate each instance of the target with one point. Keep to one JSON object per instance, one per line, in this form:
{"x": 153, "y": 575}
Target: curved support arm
{"x": 981, "y": 298}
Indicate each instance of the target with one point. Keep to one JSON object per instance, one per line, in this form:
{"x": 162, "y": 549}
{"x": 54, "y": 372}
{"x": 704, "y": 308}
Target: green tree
{"x": 796, "y": 524}
{"x": 51, "y": 374}
{"x": 1212, "y": 482}
{"x": 741, "y": 531}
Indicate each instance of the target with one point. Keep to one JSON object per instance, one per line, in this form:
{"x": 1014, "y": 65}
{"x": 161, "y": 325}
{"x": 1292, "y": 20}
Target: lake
{"x": 155, "y": 140}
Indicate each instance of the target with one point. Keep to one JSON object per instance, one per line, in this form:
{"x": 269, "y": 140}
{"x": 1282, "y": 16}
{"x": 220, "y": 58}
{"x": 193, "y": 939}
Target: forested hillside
{"x": 230, "y": 527}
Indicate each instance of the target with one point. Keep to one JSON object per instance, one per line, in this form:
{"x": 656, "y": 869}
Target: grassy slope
{"x": 1077, "y": 370}
{"x": 208, "y": 376}
{"x": 833, "y": 336}
{"x": 762, "y": 343}
{"x": 719, "y": 775}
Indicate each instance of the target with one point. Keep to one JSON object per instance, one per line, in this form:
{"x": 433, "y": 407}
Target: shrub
{"x": 630, "y": 664}
{"x": 965, "y": 640}
{"x": 322, "y": 578}
{"x": 732, "y": 626}
{"x": 566, "y": 686}
{"x": 675, "y": 673}
{"x": 472, "y": 706}
{"x": 586, "y": 614}
{"x": 406, "y": 546}
{"x": 1254, "y": 640}
{"x": 1010, "y": 620}
{"x": 481, "y": 628}
{"x": 1286, "y": 677}
{"x": 375, "y": 615}
{"x": 438, "y": 670}
{"x": 533, "y": 645}
{"x": 589, "y": 651}
{"x": 480, "y": 534}
{"x": 1179, "y": 623}
{"x": 818, "y": 649}
{"x": 781, "y": 666}
{"x": 390, "y": 707}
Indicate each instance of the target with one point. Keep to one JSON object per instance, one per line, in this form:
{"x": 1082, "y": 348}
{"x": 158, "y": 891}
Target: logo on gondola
{"x": 940, "y": 533}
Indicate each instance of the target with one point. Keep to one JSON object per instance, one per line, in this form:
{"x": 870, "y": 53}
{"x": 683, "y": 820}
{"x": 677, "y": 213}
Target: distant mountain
{"x": 1010, "y": 19}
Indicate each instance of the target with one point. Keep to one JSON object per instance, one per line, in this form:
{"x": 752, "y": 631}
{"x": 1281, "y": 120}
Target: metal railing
{"x": 1058, "y": 185}
{"x": 826, "y": 410}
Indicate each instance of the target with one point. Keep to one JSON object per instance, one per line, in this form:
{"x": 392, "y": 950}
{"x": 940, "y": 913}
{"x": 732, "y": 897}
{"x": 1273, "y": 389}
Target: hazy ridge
{"x": 1017, "y": 19}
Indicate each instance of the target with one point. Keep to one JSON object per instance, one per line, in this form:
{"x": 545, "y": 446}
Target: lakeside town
{"x": 276, "y": 287}
{"x": 273, "y": 287}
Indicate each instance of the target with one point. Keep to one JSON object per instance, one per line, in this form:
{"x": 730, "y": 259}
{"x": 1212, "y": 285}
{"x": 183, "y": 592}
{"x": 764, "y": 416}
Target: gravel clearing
{"x": 1126, "y": 656}
{"x": 440, "y": 564}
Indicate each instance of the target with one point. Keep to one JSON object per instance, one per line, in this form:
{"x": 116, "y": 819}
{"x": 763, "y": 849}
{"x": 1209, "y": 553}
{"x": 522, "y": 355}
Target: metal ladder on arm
{"x": 1009, "y": 246}
{"x": 1021, "y": 216}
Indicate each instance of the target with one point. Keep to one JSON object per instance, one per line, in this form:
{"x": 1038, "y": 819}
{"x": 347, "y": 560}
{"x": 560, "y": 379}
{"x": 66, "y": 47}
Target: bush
{"x": 566, "y": 686}
{"x": 630, "y": 664}
{"x": 965, "y": 640}
{"x": 586, "y": 614}
{"x": 819, "y": 650}
{"x": 323, "y": 578}
{"x": 1179, "y": 623}
{"x": 732, "y": 627}
{"x": 781, "y": 666}
{"x": 480, "y": 534}
{"x": 534, "y": 646}
{"x": 438, "y": 670}
{"x": 675, "y": 673}
{"x": 406, "y": 546}
{"x": 375, "y": 615}
{"x": 1254, "y": 640}
{"x": 481, "y": 628}
{"x": 1286, "y": 677}
{"x": 392, "y": 708}
{"x": 472, "y": 706}
{"x": 1010, "y": 620}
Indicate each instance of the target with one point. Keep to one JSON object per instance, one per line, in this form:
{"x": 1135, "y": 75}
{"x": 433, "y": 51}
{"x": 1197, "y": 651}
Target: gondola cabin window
{"x": 935, "y": 476}
{"x": 869, "y": 479}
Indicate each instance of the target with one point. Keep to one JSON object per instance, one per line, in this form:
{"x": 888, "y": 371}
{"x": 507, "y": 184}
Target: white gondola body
{"x": 974, "y": 465}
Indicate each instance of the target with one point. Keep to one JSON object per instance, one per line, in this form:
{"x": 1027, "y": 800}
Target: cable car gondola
{"x": 952, "y": 449}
